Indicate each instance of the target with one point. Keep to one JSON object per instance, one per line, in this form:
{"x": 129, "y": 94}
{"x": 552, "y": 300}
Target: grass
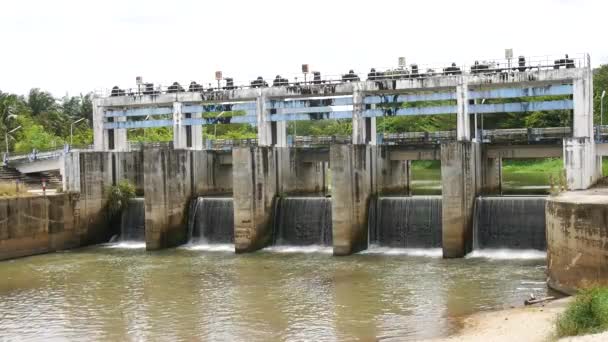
{"x": 545, "y": 165}
{"x": 587, "y": 314}
{"x": 11, "y": 189}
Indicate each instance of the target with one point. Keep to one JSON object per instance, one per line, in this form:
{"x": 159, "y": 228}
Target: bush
{"x": 587, "y": 314}
{"x": 118, "y": 196}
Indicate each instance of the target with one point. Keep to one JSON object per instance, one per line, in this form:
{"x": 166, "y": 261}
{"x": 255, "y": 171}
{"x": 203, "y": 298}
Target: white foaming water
{"x": 508, "y": 254}
{"x": 126, "y": 245}
{"x": 214, "y": 247}
{"x": 419, "y": 252}
{"x": 300, "y": 249}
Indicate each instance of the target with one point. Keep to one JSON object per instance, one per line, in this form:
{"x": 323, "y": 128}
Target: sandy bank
{"x": 533, "y": 323}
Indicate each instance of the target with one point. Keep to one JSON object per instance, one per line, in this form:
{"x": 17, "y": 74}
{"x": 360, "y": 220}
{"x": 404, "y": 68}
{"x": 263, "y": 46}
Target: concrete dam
{"x": 347, "y": 194}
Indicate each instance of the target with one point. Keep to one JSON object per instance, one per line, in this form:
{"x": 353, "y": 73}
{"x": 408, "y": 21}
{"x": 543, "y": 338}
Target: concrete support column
{"x": 458, "y": 169}
{"x": 580, "y": 163}
{"x": 120, "y": 136}
{"x": 168, "y": 190}
{"x": 463, "y": 125}
{"x": 264, "y": 125}
{"x": 491, "y": 175}
{"x": 364, "y": 129}
{"x": 351, "y": 170}
{"x": 179, "y": 130}
{"x": 196, "y": 133}
{"x": 255, "y": 187}
{"x": 100, "y": 135}
{"x": 582, "y": 126}
{"x": 393, "y": 176}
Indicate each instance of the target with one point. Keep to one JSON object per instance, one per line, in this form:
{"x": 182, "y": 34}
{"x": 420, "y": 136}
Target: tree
{"x": 40, "y": 101}
{"x": 600, "y": 83}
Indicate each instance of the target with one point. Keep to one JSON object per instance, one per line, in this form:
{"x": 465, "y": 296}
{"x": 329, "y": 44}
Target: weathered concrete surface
{"x": 254, "y": 190}
{"x": 577, "y": 236}
{"x": 351, "y": 169}
{"x": 302, "y": 170}
{"x": 211, "y": 172}
{"x": 130, "y": 166}
{"x": 393, "y": 175}
{"x": 491, "y": 172}
{"x": 94, "y": 177}
{"x": 41, "y": 224}
{"x": 459, "y": 165}
{"x": 168, "y": 190}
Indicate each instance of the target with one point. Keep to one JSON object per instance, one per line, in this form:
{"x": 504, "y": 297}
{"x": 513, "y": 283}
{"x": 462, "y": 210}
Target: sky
{"x": 72, "y": 47}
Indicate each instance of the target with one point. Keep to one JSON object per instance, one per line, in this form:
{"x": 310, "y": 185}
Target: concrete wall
{"x": 255, "y": 189}
{"x": 352, "y": 170}
{"x": 130, "y": 166}
{"x": 211, "y": 172}
{"x": 41, "y": 224}
{"x": 460, "y": 186}
{"x": 302, "y": 170}
{"x": 393, "y": 176}
{"x": 577, "y": 235}
{"x": 168, "y": 190}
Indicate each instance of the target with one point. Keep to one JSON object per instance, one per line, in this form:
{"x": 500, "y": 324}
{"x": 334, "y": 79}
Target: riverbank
{"x": 530, "y": 323}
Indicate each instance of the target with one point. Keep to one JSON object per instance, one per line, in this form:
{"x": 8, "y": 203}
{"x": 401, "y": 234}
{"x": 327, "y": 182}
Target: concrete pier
{"x": 577, "y": 233}
{"x": 459, "y": 165}
{"x": 254, "y": 191}
{"x": 211, "y": 172}
{"x": 351, "y": 170}
{"x": 168, "y": 190}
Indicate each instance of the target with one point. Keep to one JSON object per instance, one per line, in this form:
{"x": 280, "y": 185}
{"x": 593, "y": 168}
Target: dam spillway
{"x": 302, "y": 221}
{"x": 133, "y": 222}
{"x": 406, "y": 222}
{"x": 211, "y": 220}
{"x": 516, "y": 222}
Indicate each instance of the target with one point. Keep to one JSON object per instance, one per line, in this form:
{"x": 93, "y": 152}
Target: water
{"x": 408, "y": 222}
{"x": 302, "y": 221}
{"x": 133, "y": 221}
{"x": 211, "y": 220}
{"x": 509, "y": 222}
{"x": 112, "y": 294}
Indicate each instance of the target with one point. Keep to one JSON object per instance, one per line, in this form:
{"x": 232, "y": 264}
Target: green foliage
{"x": 118, "y": 196}
{"x": 546, "y": 165}
{"x": 35, "y": 136}
{"x": 587, "y": 314}
{"x": 321, "y": 128}
{"x": 230, "y": 131}
{"x": 154, "y": 134}
{"x": 600, "y": 83}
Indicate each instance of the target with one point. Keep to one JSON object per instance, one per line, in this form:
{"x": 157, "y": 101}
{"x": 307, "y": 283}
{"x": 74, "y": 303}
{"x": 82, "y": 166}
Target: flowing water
{"x": 301, "y": 221}
{"x": 509, "y": 222}
{"x": 133, "y": 221}
{"x": 114, "y": 294}
{"x": 408, "y": 222}
{"x": 211, "y": 220}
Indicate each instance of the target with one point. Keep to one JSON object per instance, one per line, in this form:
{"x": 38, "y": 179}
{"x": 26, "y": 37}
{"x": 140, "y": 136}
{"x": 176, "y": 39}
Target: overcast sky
{"x": 70, "y": 47}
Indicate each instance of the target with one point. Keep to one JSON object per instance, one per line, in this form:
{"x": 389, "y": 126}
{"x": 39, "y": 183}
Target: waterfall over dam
{"x": 406, "y": 222}
{"x": 516, "y": 222}
{"x": 133, "y": 221}
{"x": 211, "y": 220}
{"x": 302, "y": 221}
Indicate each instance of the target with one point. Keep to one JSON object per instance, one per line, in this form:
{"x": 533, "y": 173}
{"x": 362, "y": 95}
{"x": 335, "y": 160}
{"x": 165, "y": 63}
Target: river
{"x": 114, "y": 293}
